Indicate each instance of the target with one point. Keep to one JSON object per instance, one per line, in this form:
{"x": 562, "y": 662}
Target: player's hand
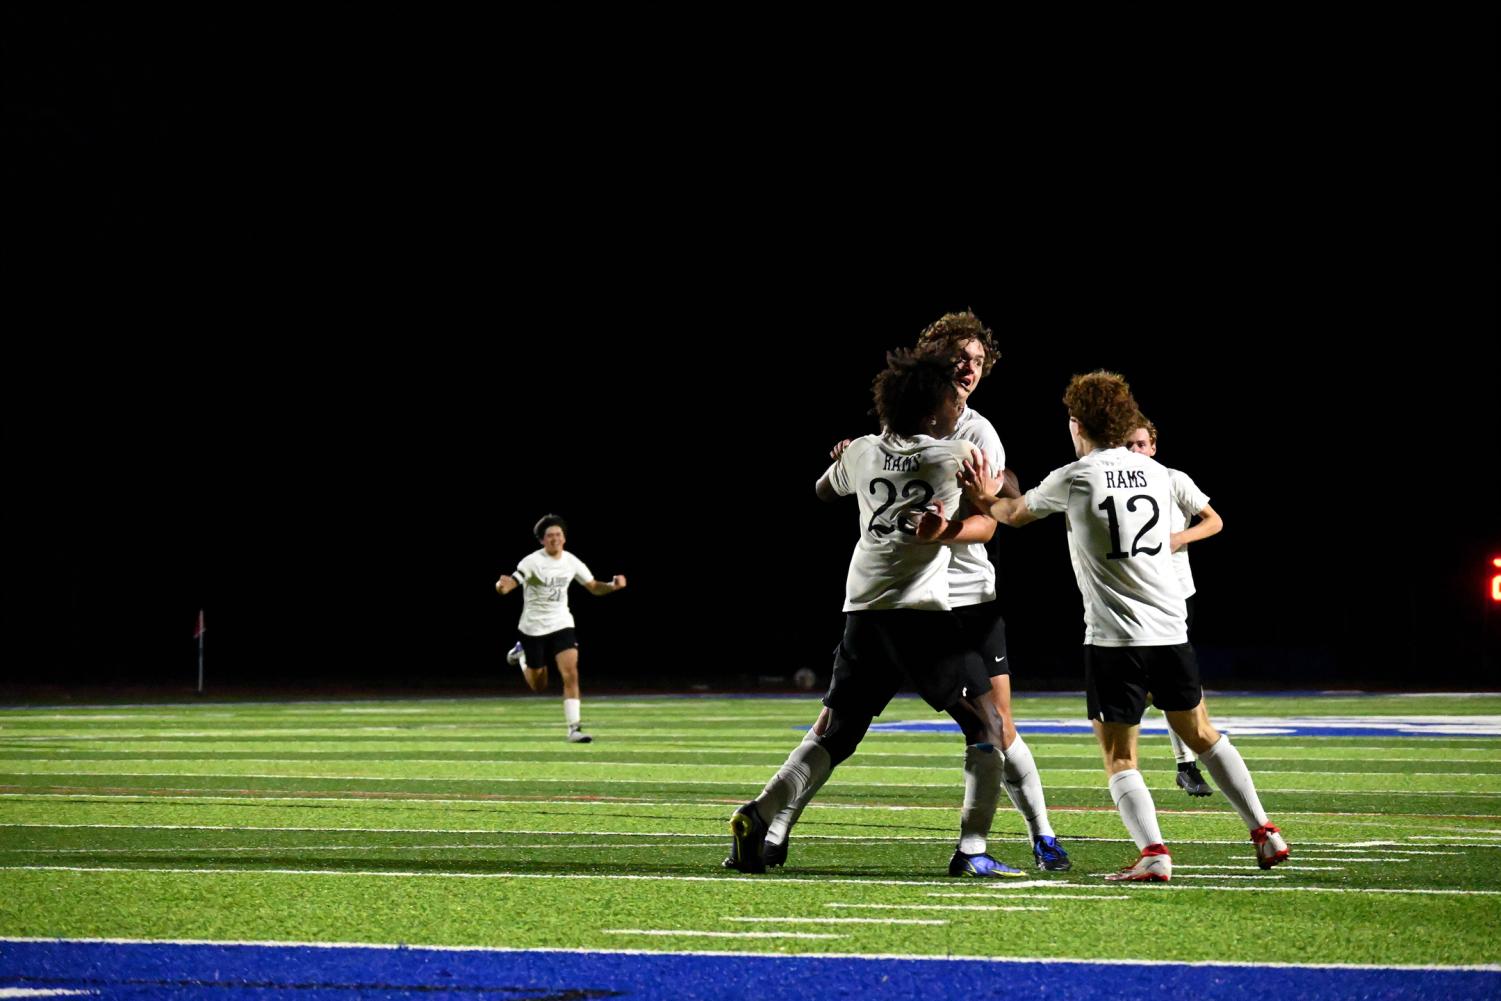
{"x": 838, "y": 449}
{"x": 978, "y": 482}
{"x": 930, "y": 524}
{"x": 618, "y": 581}
{"x": 1177, "y": 541}
{"x": 506, "y": 584}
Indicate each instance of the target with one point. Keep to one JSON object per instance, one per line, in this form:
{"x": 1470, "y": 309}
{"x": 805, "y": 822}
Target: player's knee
{"x": 536, "y": 678}
{"x": 1201, "y": 739}
{"x": 842, "y": 733}
{"x": 979, "y": 721}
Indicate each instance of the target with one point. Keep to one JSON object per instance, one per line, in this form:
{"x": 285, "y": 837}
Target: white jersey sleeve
{"x": 1187, "y": 495}
{"x": 1188, "y": 501}
{"x": 838, "y": 474}
{"x": 581, "y": 572}
{"x": 1051, "y": 495}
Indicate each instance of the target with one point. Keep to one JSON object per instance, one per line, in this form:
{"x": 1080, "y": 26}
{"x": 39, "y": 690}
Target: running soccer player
{"x": 546, "y": 625}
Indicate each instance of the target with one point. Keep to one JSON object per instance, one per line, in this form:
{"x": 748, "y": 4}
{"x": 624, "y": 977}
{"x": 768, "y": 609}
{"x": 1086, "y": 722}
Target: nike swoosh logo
{"x": 1000, "y": 658}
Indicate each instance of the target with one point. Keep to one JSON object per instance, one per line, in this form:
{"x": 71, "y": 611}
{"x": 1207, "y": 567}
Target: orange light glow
{"x": 1496, "y": 580}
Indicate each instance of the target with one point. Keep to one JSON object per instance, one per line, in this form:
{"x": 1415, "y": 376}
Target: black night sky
{"x": 310, "y": 322}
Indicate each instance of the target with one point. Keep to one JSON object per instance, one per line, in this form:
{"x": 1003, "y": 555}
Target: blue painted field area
{"x": 1252, "y": 726}
{"x": 140, "y": 970}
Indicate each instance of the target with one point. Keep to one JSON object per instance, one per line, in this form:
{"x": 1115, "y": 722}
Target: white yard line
{"x": 840, "y": 921}
{"x": 684, "y": 933}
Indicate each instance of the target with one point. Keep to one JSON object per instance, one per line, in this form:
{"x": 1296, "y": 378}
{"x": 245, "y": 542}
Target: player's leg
{"x": 780, "y": 828}
{"x": 1116, "y": 699}
{"x": 832, "y": 739}
{"x": 1023, "y": 784}
{"x": 533, "y": 666}
{"x": 567, "y": 660}
{"x": 984, "y": 767}
{"x": 1229, "y": 770}
{"x": 985, "y": 631}
{"x": 864, "y": 680}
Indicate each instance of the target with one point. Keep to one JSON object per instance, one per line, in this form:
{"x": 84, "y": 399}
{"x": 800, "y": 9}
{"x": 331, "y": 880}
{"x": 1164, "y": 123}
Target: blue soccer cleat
{"x": 981, "y": 865}
{"x": 517, "y": 656}
{"x": 1050, "y": 854}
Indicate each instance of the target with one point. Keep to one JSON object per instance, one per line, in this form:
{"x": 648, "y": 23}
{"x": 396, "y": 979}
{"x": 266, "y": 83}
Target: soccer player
{"x": 897, "y": 617}
{"x": 546, "y": 625}
{"x": 1188, "y": 501}
{"x": 1135, "y": 620}
{"x": 972, "y": 595}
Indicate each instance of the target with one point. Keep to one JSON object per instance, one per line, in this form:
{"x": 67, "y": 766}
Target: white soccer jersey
{"x": 544, "y": 582}
{"x": 971, "y": 574}
{"x": 1188, "y": 501}
{"x": 894, "y": 477}
{"x": 1118, "y": 507}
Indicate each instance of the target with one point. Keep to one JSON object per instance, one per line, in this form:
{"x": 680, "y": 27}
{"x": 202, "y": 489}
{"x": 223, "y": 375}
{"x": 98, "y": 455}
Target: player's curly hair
{"x": 909, "y": 392}
{"x": 1103, "y": 405}
{"x": 547, "y": 521}
{"x": 952, "y": 330}
{"x": 1151, "y": 430}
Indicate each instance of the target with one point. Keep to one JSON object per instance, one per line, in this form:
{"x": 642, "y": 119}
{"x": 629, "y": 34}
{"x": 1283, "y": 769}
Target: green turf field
{"x": 472, "y": 822}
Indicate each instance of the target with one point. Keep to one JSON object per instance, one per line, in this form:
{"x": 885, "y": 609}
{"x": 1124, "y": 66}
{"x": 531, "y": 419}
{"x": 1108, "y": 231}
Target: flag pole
{"x": 198, "y": 635}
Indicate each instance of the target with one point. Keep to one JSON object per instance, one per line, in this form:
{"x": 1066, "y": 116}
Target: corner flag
{"x": 198, "y": 632}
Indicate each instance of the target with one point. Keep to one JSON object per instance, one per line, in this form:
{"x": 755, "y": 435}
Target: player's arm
{"x": 834, "y": 483}
{"x": 508, "y": 583}
{"x": 600, "y": 588}
{"x": 984, "y": 489}
{"x": 1012, "y": 511}
{"x": 1209, "y": 523}
{"x": 932, "y": 526}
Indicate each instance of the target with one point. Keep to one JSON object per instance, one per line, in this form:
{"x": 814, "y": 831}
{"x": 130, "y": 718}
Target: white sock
{"x": 803, "y": 773}
{"x": 1024, "y": 788}
{"x": 521, "y": 660}
{"x": 1138, "y": 812}
{"x": 982, "y": 788}
{"x": 781, "y": 825}
{"x": 571, "y": 712}
{"x": 1180, "y": 749}
{"x": 1229, "y": 770}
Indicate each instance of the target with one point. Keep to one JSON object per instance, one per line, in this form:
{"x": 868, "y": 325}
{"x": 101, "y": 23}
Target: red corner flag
{"x": 198, "y": 629}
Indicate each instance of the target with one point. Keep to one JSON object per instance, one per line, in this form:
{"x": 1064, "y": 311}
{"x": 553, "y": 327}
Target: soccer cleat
{"x": 1050, "y": 854}
{"x": 748, "y": 834}
{"x": 1154, "y": 866}
{"x": 774, "y": 854}
{"x": 1191, "y": 780}
{"x": 1271, "y": 849}
{"x": 981, "y": 865}
{"x": 577, "y": 735}
{"x": 517, "y": 656}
